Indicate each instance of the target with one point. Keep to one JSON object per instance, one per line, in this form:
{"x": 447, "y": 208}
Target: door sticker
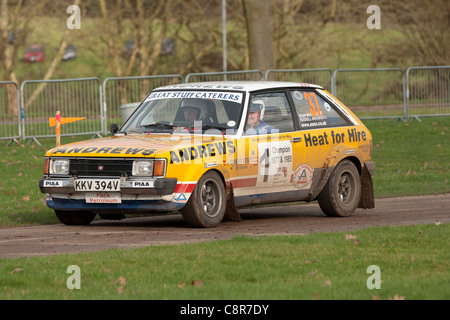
{"x": 302, "y": 178}
{"x": 274, "y": 163}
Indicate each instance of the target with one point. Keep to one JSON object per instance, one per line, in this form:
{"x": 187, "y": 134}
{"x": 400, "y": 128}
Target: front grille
{"x": 101, "y": 167}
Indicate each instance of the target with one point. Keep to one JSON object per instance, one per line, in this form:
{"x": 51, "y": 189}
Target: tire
{"x": 341, "y": 194}
{"x": 75, "y": 218}
{"x": 206, "y": 206}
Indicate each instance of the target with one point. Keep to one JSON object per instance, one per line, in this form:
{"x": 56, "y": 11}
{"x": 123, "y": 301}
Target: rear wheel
{"x": 75, "y": 218}
{"x": 340, "y": 196}
{"x": 206, "y": 206}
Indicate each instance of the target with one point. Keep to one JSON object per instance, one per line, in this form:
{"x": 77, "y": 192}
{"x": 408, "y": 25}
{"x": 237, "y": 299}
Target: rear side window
{"x": 273, "y": 114}
{"x": 314, "y": 112}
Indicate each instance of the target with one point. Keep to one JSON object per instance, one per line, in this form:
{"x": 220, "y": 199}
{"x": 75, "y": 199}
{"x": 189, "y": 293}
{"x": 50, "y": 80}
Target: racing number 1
{"x": 315, "y": 109}
{"x": 266, "y": 160}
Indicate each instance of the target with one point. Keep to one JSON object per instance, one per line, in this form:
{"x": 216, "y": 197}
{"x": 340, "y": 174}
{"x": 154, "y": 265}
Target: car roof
{"x": 240, "y": 85}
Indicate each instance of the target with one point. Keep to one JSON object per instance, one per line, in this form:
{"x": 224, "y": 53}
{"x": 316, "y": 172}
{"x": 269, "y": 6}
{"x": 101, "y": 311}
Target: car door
{"x": 264, "y": 159}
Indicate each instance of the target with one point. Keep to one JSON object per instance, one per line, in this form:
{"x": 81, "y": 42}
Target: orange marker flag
{"x": 58, "y": 121}
{"x": 52, "y": 121}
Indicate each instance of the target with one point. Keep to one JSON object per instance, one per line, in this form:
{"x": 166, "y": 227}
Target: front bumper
{"x": 127, "y": 206}
{"x": 148, "y": 195}
{"x": 159, "y": 187}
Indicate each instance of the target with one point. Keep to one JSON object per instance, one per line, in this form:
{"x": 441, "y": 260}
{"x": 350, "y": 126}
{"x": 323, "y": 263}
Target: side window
{"x": 314, "y": 112}
{"x": 269, "y": 113}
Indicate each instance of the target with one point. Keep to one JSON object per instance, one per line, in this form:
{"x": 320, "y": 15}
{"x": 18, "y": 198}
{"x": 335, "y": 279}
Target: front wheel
{"x": 75, "y": 218}
{"x": 340, "y": 196}
{"x": 206, "y": 206}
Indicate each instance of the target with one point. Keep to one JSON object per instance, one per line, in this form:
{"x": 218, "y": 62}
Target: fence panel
{"x": 248, "y": 75}
{"x": 371, "y": 93}
{"x": 9, "y": 112}
{"x": 319, "y": 76}
{"x": 428, "y": 91}
{"x": 121, "y": 95}
{"x": 73, "y": 97}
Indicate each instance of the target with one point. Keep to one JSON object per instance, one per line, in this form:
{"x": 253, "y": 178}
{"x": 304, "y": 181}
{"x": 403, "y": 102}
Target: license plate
{"x": 103, "y": 197}
{"x": 97, "y": 185}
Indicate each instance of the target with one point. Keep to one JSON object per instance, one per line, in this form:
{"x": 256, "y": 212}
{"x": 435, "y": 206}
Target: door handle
{"x": 296, "y": 139}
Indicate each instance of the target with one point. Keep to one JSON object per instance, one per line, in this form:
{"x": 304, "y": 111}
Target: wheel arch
{"x": 231, "y": 212}
{"x": 327, "y": 170}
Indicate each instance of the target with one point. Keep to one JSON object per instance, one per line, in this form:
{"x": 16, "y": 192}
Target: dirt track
{"x": 156, "y": 230}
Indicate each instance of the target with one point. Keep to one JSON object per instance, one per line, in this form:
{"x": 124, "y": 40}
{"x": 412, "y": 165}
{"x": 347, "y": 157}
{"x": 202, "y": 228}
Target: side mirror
{"x": 113, "y": 128}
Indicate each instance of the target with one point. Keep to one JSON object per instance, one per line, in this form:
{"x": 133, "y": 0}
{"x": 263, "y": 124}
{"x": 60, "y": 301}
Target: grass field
{"x": 413, "y": 264}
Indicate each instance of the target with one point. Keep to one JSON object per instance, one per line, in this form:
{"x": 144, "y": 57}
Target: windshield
{"x": 187, "y": 111}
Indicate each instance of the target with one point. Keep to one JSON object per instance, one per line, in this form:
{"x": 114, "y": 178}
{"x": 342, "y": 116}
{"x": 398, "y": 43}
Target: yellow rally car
{"x": 206, "y": 149}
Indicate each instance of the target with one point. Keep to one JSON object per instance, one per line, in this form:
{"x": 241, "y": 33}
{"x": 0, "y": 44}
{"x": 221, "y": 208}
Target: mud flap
{"x": 367, "y": 200}
{"x": 231, "y": 212}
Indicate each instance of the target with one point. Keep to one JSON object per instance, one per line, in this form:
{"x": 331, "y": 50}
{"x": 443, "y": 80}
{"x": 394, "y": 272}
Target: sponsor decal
{"x": 53, "y": 183}
{"x": 143, "y": 184}
{"x": 227, "y": 96}
{"x": 202, "y": 151}
{"x": 353, "y": 135}
{"x": 211, "y": 164}
{"x": 105, "y": 150}
{"x": 302, "y": 178}
{"x": 103, "y": 197}
{"x": 181, "y": 198}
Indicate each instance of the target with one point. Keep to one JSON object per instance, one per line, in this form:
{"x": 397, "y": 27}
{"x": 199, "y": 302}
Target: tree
{"x": 14, "y": 27}
{"x": 426, "y": 26}
{"x": 136, "y": 25}
{"x": 257, "y": 16}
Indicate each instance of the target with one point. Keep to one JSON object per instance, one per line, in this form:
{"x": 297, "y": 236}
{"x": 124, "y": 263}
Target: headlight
{"x": 59, "y": 166}
{"x": 143, "y": 168}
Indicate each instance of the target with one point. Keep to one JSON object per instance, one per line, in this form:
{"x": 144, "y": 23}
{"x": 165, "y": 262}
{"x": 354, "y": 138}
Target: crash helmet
{"x": 196, "y": 104}
{"x": 258, "y": 105}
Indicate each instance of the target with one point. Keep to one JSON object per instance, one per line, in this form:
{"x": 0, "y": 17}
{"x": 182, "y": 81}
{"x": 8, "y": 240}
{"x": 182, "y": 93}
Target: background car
{"x": 14, "y": 36}
{"x": 34, "y": 53}
{"x": 70, "y": 53}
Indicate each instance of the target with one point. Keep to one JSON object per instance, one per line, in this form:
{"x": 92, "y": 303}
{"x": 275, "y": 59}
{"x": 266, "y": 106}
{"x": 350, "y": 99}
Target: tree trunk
{"x": 257, "y": 16}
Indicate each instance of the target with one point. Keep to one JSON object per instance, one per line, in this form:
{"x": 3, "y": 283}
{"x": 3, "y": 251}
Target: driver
{"x": 193, "y": 110}
{"x": 191, "y": 114}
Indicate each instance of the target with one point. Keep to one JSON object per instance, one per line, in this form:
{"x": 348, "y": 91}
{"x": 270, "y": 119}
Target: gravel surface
{"x": 300, "y": 218}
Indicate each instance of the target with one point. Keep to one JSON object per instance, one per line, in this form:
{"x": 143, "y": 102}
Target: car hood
{"x": 130, "y": 146}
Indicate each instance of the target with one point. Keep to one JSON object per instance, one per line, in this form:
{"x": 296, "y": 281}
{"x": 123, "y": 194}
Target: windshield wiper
{"x": 156, "y": 125}
{"x": 215, "y": 126}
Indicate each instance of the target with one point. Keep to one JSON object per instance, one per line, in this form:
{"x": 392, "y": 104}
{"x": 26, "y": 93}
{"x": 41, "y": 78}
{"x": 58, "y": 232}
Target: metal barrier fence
{"x": 427, "y": 91}
{"x": 9, "y": 112}
{"x": 72, "y": 97}
{"x": 121, "y": 95}
{"x": 320, "y": 76}
{"x": 248, "y": 75}
{"x": 371, "y": 93}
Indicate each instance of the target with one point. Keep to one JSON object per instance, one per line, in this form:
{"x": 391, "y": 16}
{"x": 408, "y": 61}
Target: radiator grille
{"x": 101, "y": 167}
